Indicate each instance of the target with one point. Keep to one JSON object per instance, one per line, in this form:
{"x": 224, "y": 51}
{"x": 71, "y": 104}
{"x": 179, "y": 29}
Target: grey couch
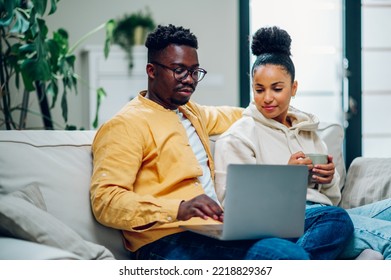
{"x": 44, "y": 194}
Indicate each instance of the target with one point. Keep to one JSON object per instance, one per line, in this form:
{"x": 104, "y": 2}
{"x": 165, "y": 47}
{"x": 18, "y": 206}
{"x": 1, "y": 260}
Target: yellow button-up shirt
{"x": 143, "y": 167}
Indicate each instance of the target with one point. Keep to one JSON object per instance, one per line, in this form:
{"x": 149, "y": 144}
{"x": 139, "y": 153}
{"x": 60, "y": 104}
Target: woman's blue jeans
{"x": 327, "y": 229}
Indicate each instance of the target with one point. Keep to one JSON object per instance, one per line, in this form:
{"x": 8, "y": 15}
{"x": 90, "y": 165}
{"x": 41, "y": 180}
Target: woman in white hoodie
{"x": 271, "y": 131}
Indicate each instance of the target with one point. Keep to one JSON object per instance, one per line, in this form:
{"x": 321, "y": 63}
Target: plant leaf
{"x": 64, "y": 105}
{"x": 54, "y": 54}
{"x": 35, "y": 70}
{"x": 7, "y": 13}
{"x": 21, "y": 23}
{"x": 61, "y": 38}
{"x": 71, "y": 127}
{"x": 53, "y": 6}
{"x": 110, "y": 27}
{"x": 43, "y": 29}
{"x": 27, "y": 49}
{"x": 52, "y": 90}
{"x": 100, "y": 96}
{"x": 40, "y": 6}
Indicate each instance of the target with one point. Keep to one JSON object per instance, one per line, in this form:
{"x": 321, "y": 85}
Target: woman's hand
{"x": 320, "y": 173}
{"x": 323, "y": 173}
{"x": 299, "y": 158}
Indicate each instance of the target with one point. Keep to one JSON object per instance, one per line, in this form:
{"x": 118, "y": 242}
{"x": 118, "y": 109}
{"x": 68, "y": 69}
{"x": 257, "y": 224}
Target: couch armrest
{"x": 18, "y": 249}
{"x": 368, "y": 180}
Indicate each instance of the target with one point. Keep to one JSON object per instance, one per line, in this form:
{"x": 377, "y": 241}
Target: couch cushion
{"x": 22, "y": 216}
{"x": 368, "y": 180}
{"x": 60, "y": 163}
{"x": 18, "y": 249}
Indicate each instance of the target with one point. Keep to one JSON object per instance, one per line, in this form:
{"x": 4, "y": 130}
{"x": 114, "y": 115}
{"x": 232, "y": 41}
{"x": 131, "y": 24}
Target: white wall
{"x": 215, "y": 23}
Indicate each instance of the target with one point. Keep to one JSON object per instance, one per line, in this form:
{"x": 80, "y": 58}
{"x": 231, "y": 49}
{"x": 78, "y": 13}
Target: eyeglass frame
{"x": 188, "y": 71}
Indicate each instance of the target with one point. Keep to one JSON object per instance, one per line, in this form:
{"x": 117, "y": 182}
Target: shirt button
{"x": 169, "y": 219}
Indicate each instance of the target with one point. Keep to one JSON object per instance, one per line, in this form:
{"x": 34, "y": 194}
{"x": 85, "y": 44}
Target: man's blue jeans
{"x": 327, "y": 229}
{"x": 372, "y": 229}
{"x": 191, "y": 246}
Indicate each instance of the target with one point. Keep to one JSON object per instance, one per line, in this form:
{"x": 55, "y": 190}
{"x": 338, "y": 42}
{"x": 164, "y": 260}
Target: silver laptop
{"x": 261, "y": 201}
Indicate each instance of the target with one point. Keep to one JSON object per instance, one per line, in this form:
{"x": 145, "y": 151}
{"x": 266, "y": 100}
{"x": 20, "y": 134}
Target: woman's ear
{"x": 294, "y": 88}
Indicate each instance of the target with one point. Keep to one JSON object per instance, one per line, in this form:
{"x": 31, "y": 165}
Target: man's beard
{"x": 179, "y": 102}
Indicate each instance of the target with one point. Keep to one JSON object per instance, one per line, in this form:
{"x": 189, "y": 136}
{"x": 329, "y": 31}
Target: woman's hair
{"x": 272, "y": 45}
{"x": 163, "y": 36}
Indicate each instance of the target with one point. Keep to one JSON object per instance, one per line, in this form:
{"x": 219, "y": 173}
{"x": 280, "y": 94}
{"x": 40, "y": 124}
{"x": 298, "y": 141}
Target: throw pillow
{"x": 368, "y": 180}
{"x": 22, "y": 216}
{"x": 32, "y": 194}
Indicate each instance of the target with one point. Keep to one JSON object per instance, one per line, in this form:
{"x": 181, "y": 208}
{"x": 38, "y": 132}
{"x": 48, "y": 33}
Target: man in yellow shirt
{"x": 153, "y": 168}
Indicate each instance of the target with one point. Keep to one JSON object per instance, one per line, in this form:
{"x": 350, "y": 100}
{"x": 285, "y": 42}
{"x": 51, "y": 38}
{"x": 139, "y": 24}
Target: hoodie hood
{"x": 300, "y": 120}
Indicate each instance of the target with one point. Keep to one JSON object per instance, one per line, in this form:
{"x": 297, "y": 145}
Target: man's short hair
{"x": 163, "y": 36}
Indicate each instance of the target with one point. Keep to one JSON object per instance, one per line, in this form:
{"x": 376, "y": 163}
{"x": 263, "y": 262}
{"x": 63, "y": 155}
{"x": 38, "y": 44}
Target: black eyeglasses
{"x": 181, "y": 73}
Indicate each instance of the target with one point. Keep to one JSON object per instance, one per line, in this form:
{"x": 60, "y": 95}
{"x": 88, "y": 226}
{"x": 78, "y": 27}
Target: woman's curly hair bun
{"x": 271, "y": 40}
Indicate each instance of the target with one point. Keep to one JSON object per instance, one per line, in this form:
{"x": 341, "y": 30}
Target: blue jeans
{"x": 192, "y": 246}
{"x": 327, "y": 230}
{"x": 372, "y": 229}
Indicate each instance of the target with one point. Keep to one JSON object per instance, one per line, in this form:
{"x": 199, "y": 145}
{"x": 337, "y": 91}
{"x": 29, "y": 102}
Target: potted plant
{"x": 30, "y": 61}
{"x": 131, "y": 30}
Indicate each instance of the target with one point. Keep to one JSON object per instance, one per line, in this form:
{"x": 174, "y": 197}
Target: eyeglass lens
{"x": 182, "y": 73}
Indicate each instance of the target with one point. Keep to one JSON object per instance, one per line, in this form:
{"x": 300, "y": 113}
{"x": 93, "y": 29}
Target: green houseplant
{"x": 31, "y": 61}
{"x": 131, "y": 29}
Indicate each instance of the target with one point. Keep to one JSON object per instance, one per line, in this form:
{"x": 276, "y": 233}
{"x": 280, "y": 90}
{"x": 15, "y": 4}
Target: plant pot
{"x": 140, "y": 34}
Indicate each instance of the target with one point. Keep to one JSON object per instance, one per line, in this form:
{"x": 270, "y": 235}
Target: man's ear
{"x": 150, "y": 69}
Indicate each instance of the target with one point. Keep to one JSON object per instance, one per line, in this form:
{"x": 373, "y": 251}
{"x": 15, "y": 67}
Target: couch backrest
{"x": 333, "y": 135}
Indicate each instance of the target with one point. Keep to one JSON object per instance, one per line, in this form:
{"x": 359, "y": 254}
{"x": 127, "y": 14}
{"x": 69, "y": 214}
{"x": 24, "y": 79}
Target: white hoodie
{"x": 255, "y": 139}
